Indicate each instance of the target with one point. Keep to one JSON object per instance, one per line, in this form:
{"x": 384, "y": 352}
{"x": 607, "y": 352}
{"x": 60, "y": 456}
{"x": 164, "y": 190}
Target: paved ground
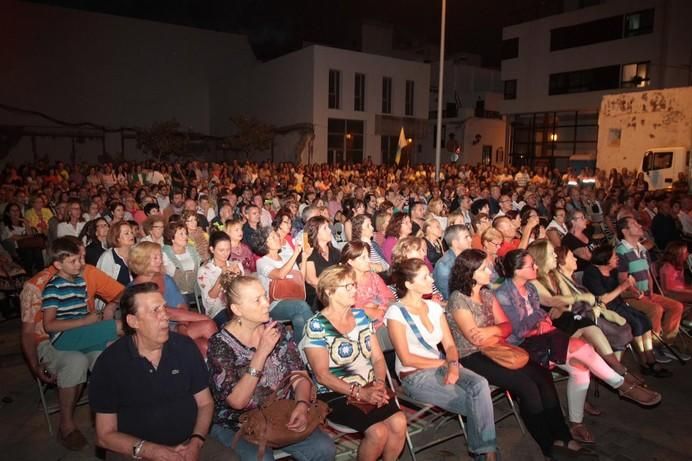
{"x": 624, "y": 432}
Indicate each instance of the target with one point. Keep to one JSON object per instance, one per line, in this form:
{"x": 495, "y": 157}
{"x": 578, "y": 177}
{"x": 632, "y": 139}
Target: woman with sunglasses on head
{"x": 533, "y": 330}
{"x": 362, "y": 230}
{"x": 417, "y": 328}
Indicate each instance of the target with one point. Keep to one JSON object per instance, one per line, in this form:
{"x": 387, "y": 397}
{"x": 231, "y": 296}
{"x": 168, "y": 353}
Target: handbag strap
{"x": 288, "y": 382}
{"x": 415, "y": 329}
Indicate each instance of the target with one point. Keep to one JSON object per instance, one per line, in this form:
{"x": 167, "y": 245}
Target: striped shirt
{"x": 69, "y": 297}
{"x": 635, "y": 262}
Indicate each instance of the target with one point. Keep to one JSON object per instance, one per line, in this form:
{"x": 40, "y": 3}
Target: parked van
{"x": 661, "y": 166}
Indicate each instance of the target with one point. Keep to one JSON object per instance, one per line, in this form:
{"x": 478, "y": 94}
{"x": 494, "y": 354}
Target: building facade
{"x": 556, "y": 70}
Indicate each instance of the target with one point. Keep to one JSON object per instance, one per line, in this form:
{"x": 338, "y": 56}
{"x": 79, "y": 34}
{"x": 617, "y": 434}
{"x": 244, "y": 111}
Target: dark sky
{"x": 278, "y": 26}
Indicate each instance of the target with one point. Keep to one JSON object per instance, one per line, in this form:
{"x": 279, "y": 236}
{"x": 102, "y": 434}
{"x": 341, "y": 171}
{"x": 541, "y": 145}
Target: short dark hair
{"x": 601, "y": 255}
{"x": 622, "y": 224}
{"x": 149, "y": 207}
{"x": 511, "y": 262}
{"x": 452, "y": 233}
{"x": 353, "y": 249}
{"x": 64, "y": 247}
{"x": 127, "y": 301}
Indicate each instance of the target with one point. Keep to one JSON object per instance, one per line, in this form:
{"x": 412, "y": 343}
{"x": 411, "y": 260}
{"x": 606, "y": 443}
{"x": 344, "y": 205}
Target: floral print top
{"x": 228, "y": 361}
{"x": 482, "y": 314}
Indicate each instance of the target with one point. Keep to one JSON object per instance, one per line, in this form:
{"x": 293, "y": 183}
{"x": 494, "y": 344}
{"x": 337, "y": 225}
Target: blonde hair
{"x": 330, "y": 278}
{"x": 538, "y": 249}
{"x": 140, "y": 256}
{"x": 402, "y": 248}
{"x": 232, "y": 283}
{"x": 491, "y": 234}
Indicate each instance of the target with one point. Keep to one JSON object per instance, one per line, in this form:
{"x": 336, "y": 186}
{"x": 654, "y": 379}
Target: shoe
{"x": 656, "y": 370}
{"x": 660, "y": 356}
{"x": 640, "y": 395}
{"x": 687, "y": 324}
{"x": 560, "y": 453}
{"x": 74, "y": 441}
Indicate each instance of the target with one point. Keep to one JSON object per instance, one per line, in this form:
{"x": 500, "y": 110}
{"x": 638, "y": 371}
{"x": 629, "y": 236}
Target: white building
{"x": 356, "y": 102}
{"x": 471, "y": 116}
{"x": 556, "y": 70}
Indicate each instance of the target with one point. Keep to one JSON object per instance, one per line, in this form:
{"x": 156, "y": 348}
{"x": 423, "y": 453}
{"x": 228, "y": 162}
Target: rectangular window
{"x": 359, "y": 93}
{"x": 635, "y": 75}
{"x": 510, "y": 48}
{"x": 587, "y": 33}
{"x": 511, "y": 89}
{"x": 334, "y": 89}
{"x": 580, "y": 81}
{"x": 408, "y": 107}
{"x": 639, "y": 23}
{"x": 386, "y": 95}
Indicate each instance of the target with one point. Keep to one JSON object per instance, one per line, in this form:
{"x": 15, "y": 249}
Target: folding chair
{"x": 54, "y": 407}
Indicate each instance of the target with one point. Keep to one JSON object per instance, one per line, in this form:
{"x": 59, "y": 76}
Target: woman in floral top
{"x": 248, "y": 359}
{"x": 343, "y": 353}
{"x": 476, "y": 319}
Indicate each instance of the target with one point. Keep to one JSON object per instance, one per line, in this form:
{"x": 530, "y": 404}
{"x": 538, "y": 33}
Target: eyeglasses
{"x": 497, "y": 244}
{"x": 348, "y": 286}
{"x": 531, "y": 266}
{"x": 157, "y": 227}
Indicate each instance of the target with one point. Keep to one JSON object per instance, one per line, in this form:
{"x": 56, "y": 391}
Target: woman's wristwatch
{"x": 137, "y": 449}
{"x": 254, "y": 372}
{"x": 453, "y": 363}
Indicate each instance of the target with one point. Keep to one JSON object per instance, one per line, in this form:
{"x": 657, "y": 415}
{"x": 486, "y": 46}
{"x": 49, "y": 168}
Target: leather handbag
{"x": 266, "y": 426}
{"x": 290, "y": 287}
{"x": 366, "y": 407}
{"x": 506, "y": 355}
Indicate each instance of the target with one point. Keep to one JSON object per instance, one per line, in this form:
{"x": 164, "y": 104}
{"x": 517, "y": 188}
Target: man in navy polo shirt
{"x": 149, "y": 389}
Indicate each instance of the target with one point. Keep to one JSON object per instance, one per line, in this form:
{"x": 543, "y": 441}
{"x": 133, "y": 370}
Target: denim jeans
{"x": 298, "y": 312}
{"x": 317, "y": 447}
{"x": 470, "y": 396}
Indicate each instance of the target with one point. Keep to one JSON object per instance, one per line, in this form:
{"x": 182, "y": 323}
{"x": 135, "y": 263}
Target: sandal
{"x": 581, "y": 434}
{"x": 639, "y": 381}
{"x": 74, "y": 441}
{"x": 640, "y": 395}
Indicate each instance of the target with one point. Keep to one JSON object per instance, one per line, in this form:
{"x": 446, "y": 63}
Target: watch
{"x": 453, "y": 363}
{"x": 254, "y": 372}
{"x": 137, "y": 449}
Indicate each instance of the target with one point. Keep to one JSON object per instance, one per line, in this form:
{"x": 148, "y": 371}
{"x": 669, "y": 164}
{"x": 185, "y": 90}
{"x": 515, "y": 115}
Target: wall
{"x": 80, "y": 66}
{"x": 646, "y": 120}
{"x": 374, "y": 67}
{"x": 491, "y": 132}
{"x": 668, "y": 48}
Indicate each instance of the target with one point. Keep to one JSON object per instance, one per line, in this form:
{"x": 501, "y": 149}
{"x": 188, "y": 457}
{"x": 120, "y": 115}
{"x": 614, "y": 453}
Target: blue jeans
{"x": 470, "y": 396}
{"x": 317, "y": 447}
{"x": 298, "y": 312}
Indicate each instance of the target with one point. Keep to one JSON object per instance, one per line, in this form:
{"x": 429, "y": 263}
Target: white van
{"x": 661, "y": 166}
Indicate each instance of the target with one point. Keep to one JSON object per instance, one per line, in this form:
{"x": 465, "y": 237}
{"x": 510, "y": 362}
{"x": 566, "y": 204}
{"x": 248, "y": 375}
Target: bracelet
{"x": 198, "y": 436}
{"x": 379, "y": 380}
{"x": 353, "y": 388}
{"x": 453, "y": 363}
{"x": 254, "y": 372}
{"x": 137, "y": 449}
{"x": 358, "y": 392}
{"x": 307, "y": 404}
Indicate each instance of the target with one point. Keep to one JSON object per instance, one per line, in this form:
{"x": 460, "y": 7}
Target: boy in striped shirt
{"x": 66, "y": 317}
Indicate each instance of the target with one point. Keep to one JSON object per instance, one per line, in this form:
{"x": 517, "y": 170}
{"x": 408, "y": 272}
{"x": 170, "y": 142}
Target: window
{"x": 386, "y": 95}
{"x": 408, "y": 107}
{"x": 657, "y": 161}
{"x": 511, "y": 89}
{"x": 579, "y": 81}
{"x": 587, "y": 33}
{"x": 359, "y": 93}
{"x": 635, "y": 75}
{"x": 639, "y": 23}
{"x": 334, "y": 89}
{"x": 510, "y": 48}
{"x": 345, "y": 141}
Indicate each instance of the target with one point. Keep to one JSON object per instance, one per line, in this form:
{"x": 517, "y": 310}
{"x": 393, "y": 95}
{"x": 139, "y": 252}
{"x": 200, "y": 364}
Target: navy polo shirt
{"x": 153, "y": 404}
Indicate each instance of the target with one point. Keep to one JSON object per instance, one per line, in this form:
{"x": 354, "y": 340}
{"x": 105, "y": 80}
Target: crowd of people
{"x": 187, "y": 293}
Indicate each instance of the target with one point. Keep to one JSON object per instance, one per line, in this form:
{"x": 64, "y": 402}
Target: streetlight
{"x": 440, "y": 92}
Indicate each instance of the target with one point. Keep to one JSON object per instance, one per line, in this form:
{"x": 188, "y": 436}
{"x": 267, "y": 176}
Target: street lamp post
{"x": 440, "y": 92}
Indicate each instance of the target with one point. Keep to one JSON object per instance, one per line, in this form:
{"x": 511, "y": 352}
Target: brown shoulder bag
{"x": 266, "y": 426}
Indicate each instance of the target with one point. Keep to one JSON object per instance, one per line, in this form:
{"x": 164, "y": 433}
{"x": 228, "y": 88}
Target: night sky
{"x": 275, "y": 27}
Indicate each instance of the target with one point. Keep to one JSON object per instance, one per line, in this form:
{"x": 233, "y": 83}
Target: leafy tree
{"x": 251, "y": 135}
{"x": 163, "y": 140}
